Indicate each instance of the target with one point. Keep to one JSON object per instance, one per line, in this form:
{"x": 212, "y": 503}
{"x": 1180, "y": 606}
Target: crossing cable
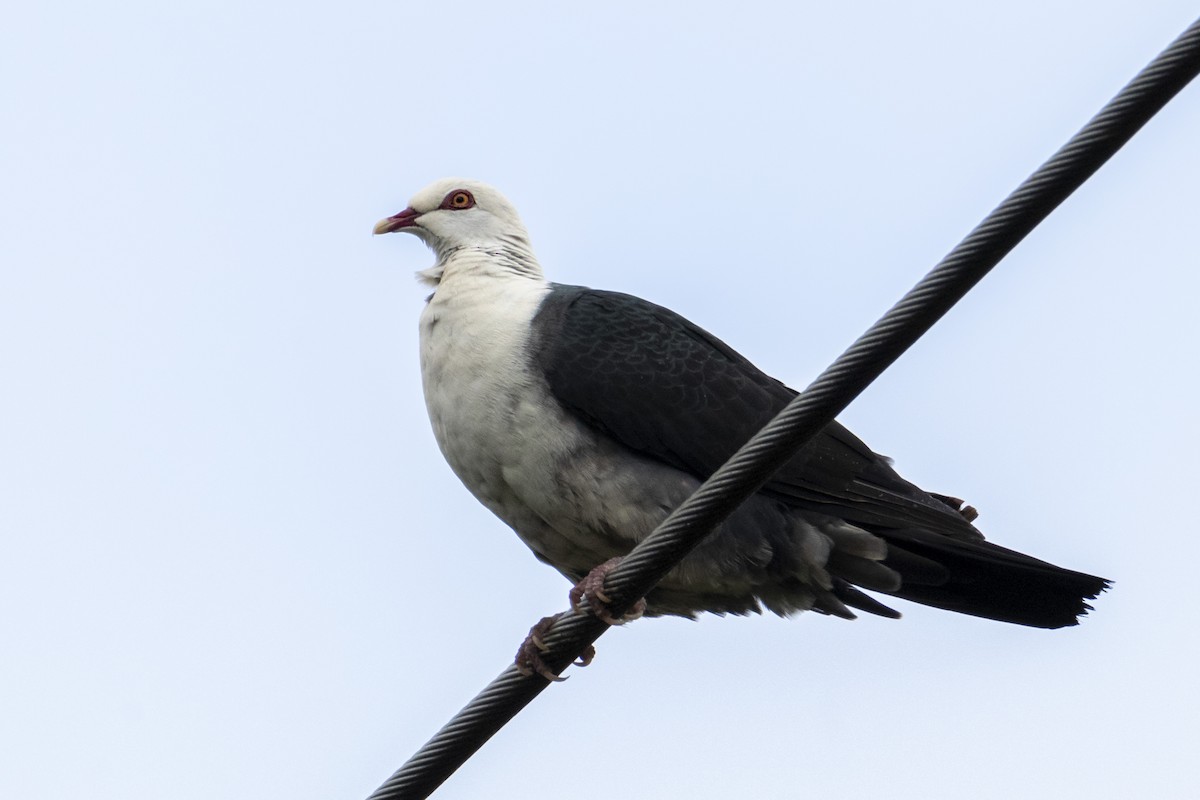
{"x": 808, "y": 413}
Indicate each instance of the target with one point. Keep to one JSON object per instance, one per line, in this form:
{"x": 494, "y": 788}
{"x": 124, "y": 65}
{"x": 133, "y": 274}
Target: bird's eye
{"x": 458, "y": 200}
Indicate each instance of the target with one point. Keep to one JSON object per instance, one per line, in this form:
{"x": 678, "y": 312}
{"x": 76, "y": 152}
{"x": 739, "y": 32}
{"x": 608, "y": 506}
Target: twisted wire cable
{"x": 824, "y": 399}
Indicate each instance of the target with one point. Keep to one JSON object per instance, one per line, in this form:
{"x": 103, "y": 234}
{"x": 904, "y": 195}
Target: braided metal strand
{"x": 831, "y": 392}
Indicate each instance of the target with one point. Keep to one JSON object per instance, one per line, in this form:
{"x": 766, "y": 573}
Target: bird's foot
{"x": 529, "y": 655}
{"x": 589, "y": 595}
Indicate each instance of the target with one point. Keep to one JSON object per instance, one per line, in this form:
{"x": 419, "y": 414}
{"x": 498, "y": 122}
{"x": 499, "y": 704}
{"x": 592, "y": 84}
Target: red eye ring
{"x": 458, "y": 200}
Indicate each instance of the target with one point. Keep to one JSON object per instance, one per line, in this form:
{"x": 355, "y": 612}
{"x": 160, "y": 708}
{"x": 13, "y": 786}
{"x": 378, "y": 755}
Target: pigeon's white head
{"x": 466, "y": 221}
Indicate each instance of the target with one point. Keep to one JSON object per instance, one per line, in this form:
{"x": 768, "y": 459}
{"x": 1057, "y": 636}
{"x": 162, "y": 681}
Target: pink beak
{"x": 405, "y": 219}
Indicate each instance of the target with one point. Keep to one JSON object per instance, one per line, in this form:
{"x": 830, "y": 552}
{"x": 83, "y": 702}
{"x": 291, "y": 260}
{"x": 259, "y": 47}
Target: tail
{"x": 986, "y": 580}
{"x": 983, "y": 580}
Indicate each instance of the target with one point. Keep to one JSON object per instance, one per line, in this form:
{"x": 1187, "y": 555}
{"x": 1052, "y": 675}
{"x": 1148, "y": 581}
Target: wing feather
{"x": 666, "y": 388}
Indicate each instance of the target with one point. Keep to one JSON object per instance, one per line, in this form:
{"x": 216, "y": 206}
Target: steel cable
{"x": 826, "y": 397}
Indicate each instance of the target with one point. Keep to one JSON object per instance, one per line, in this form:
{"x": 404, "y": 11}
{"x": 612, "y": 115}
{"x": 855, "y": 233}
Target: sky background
{"x": 233, "y": 563}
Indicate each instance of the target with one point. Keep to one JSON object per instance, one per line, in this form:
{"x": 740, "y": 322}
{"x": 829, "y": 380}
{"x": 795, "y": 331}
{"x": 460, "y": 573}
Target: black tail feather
{"x": 985, "y": 580}
{"x": 861, "y": 600}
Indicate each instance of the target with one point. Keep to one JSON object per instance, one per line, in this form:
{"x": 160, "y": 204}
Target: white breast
{"x": 493, "y": 418}
{"x": 474, "y": 334}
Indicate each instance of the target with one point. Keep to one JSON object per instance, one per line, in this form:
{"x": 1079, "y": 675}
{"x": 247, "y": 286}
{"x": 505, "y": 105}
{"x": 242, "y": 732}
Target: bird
{"x": 582, "y": 418}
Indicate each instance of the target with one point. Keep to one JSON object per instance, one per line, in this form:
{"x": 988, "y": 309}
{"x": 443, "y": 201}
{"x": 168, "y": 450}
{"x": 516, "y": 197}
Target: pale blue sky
{"x": 232, "y": 561}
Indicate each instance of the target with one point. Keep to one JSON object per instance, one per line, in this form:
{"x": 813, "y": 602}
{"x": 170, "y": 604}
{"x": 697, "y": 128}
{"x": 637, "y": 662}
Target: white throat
{"x": 510, "y": 256}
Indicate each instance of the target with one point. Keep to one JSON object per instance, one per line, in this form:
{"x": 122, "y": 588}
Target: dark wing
{"x": 664, "y": 387}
